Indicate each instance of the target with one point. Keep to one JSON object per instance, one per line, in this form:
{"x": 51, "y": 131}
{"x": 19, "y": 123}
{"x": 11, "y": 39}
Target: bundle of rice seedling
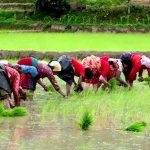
{"x": 18, "y": 111}
{"x": 147, "y": 80}
{"x": 86, "y": 121}
{"x": 7, "y": 113}
{"x": 29, "y": 95}
{"x": 1, "y": 108}
{"x": 113, "y": 83}
{"x": 137, "y": 127}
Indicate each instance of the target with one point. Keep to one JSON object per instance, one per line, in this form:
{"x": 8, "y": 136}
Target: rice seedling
{"x": 147, "y": 81}
{"x": 18, "y": 111}
{"x": 137, "y": 127}
{"x": 113, "y": 83}
{"x": 86, "y": 121}
{"x": 1, "y": 108}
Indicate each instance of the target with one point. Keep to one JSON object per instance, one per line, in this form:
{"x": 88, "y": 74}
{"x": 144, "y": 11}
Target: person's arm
{"x": 118, "y": 77}
{"x": 104, "y": 81}
{"x": 43, "y": 85}
{"x": 98, "y": 85}
{"x": 141, "y": 74}
{"x": 54, "y": 82}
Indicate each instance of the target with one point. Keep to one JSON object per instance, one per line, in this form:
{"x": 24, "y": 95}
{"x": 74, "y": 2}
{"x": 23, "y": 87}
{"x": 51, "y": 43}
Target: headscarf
{"x": 92, "y": 62}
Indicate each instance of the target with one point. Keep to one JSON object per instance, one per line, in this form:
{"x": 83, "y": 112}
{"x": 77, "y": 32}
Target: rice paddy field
{"x": 66, "y": 42}
{"x": 55, "y": 123}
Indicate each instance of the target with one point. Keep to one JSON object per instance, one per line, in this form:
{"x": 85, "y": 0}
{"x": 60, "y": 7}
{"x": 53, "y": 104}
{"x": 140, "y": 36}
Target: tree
{"x": 54, "y": 8}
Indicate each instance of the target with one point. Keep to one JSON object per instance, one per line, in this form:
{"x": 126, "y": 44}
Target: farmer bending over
{"x": 66, "y": 68}
{"x": 43, "y": 71}
{"x": 131, "y": 66}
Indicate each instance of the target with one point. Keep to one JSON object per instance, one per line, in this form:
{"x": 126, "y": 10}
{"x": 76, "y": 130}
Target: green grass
{"x": 63, "y": 42}
{"x": 118, "y": 108}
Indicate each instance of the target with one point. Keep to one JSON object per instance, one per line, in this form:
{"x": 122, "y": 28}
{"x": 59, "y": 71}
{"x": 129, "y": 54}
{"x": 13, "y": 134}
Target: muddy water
{"x": 39, "y": 132}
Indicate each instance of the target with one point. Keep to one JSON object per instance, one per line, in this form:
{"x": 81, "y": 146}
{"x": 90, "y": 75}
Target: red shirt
{"x": 105, "y": 57}
{"x": 136, "y": 66}
{"x": 78, "y": 67}
{"x": 104, "y": 69}
{"x": 25, "y": 61}
{"x": 14, "y": 81}
{"x": 45, "y": 71}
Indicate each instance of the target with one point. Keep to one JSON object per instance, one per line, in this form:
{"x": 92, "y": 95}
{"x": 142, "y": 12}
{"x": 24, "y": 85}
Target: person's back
{"x": 78, "y": 67}
{"x": 29, "y": 61}
{"x": 5, "y": 89}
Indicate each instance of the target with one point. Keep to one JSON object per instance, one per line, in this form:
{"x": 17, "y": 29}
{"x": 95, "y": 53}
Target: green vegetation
{"x": 113, "y": 83}
{"x": 147, "y": 81}
{"x": 86, "y": 121}
{"x": 18, "y": 111}
{"x": 109, "y": 15}
{"x": 137, "y": 127}
{"x": 63, "y": 42}
{"x": 117, "y": 108}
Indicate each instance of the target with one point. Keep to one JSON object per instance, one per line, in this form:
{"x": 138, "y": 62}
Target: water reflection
{"x": 38, "y": 132}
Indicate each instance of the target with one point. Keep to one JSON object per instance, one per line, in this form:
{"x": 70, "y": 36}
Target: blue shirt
{"x": 29, "y": 70}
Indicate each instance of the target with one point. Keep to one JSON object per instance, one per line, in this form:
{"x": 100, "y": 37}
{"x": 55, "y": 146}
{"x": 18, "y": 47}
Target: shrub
{"x": 54, "y": 8}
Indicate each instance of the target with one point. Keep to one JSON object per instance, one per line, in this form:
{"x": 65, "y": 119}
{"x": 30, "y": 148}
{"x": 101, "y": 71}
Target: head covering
{"x": 92, "y": 62}
{"x": 117, "y": 63}
{"x": 126, "y": 58}
{"x": 55, "y": 66}
{"x": 145, "y": 61}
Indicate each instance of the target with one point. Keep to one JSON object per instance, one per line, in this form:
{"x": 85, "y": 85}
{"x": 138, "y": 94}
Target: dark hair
{"x": 126, "y": 58}
{"x": 88, "y": 73}
{"x": 52, "y": 67}
{"x": 112, "y": 63}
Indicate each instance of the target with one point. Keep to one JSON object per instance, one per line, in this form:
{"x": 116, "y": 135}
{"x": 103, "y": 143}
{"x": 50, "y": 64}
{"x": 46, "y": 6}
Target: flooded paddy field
{"x": 53, "y": 122}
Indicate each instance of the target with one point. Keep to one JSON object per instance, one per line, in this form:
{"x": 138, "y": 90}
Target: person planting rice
{"x": 145, "y": 62}
{"x": 11, "y": 80}
{"x": 66, "y": 67}
{"x": 5, "y": 89}
{"x": 30, "y": 72}
{"x": 117, "y": 68}
{"x": 131, "y": 66}
{"x": 101, "y": 70}
{"x": 43, "y": 71}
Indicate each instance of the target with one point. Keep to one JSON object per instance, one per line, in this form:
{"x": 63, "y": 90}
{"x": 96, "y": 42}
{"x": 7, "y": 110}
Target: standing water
{"x": 39, "y": 131}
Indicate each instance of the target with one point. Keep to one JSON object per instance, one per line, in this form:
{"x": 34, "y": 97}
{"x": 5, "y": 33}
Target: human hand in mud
{"x": 140, "y": 79}
{"x": 17, "y": 104}
{"x": 46, "y": 88}
{"x": 78, "y": 88}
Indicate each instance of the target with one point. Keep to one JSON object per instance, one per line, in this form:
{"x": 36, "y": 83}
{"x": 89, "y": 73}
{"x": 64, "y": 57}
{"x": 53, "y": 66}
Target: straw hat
{"x": 55, "y": 65}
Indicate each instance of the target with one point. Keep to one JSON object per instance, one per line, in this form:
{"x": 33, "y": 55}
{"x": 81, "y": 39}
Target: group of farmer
{"x": 19, "y": 79}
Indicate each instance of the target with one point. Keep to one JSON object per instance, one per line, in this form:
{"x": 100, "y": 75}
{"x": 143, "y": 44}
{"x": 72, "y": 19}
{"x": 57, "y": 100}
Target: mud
{"x": 11, "y": 54}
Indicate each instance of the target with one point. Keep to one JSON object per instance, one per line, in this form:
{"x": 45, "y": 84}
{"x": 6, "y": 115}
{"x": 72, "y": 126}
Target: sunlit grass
{"x": 63, "y": 42}
{"x": 120, "y": 107}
